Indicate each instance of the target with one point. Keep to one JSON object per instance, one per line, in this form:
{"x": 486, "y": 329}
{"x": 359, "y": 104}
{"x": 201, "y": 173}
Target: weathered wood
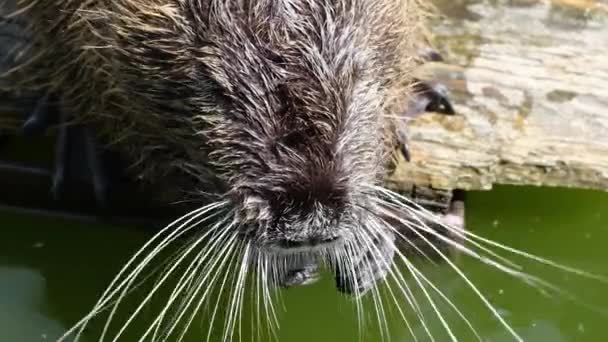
{"x": 530, "y": 85}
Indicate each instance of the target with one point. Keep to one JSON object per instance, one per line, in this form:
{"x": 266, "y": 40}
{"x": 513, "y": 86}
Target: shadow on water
{"x": 51, "y": 273}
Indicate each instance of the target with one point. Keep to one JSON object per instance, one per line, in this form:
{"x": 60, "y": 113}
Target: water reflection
{"x": 23, "y": 304}
{"x": 52, "y": 272}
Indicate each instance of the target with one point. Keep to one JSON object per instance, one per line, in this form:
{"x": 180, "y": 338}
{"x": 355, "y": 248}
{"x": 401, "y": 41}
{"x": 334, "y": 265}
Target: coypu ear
{"x": 371, "y": 266}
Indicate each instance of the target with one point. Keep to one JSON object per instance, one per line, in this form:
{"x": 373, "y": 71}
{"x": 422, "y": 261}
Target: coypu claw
{"x": 76, "y": 154}
{"x": 40, "y": 118}
{"x": 403, "y": 145}
{"x": 372, "y": 266}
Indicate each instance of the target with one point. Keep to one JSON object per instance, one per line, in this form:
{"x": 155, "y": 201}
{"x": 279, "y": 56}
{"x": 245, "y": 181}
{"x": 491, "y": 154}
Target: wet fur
{"x": 281, "y": 113}
{"x": 281, "y": 75}
{"x": 283, "y": 108}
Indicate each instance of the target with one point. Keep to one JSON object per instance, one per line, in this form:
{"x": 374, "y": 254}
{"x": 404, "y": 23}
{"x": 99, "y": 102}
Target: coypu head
{"x": 284, "y": 107}
{"x": 279, "y": 107}
{"x": 301, "y": 125}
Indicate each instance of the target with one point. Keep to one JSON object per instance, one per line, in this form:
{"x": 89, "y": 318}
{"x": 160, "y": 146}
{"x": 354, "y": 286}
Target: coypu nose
{"x": 313, "y": 241}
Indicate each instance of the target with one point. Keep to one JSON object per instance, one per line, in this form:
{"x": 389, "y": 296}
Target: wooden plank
{"x": 530, "y": 85}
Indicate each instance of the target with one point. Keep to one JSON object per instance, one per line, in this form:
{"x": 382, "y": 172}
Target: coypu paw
{"x": 301, "y": 277}
{"x": 370, "y": 267}
{"x": 429, "y": 96}
{"x": 77, "y": 156}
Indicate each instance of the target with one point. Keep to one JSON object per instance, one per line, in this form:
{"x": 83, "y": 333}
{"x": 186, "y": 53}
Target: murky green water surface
{"x": 51, "y": 272}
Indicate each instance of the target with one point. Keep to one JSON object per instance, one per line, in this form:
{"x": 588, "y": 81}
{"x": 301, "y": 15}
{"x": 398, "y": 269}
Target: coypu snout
{"x": 303, "y": 201}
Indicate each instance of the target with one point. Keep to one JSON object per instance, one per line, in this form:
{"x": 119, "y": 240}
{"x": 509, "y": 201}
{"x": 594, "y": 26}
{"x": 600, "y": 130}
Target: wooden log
{"x": 530, "y": 85}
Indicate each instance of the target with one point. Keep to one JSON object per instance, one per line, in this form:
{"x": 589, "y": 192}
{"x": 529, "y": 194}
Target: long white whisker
{"x": 228, "y": 328}
{"x": 410, "y": 243}
{"x": 222, "y": 286}
{"x": 228, "y": 253}
{"x": 406, "y": 291}
{"x": 131, "y": 278}
{"x": 81, "y": 325}
{"x": 257, "y": 298}
{"x": 191, "y": 272}
{"x": 126, "y": 283}
{"x": 379, "y": 307}
{"x": 423, "y": 227}
{"x": 437, "y": 290}
{"x": 370, "y": 245}
{"x": 185, "y": 281}
{"x": 163, "y": 279}
{"x": 423, "y": 288}
{"x": 459, "y": 246}
{"x": 268, "y": 299}
{"x": 493, "y": 243}
{"x": 526, "y": 277}
{"x": 462, "y": 275}
{"x": 348, "y": 252}
{"x": 411, "y": 268}
{"x": 450, "y": 303}
{"x": 240, "y": 287}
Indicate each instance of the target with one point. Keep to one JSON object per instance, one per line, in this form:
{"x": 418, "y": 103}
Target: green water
{"x": 51, "y": 272}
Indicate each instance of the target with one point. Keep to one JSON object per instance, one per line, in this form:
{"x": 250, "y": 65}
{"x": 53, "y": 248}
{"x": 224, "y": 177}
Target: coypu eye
{"x": 297, "y": 137}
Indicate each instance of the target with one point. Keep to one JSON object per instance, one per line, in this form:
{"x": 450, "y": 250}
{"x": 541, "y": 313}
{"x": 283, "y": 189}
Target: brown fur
{"x": 88, "y": 51}
{"x": 267, "y": 102}
{"x": 284, "y": 109}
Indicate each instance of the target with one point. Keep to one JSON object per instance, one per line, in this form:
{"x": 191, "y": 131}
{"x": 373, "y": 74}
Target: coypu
{"x": 148, "y": 91}
{"x": 275, "y": 119}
